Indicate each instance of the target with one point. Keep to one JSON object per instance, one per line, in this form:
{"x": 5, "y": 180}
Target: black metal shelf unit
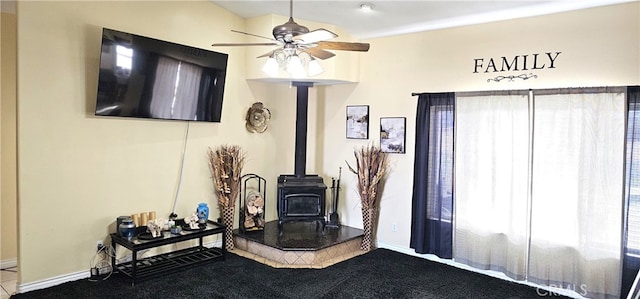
{"x": 160, "y": 264}
{"x": 171, "y": 261}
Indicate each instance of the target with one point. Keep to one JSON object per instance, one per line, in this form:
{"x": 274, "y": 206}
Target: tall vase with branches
{"x": 226, "y": 162}
{"x": 371, "y": 168}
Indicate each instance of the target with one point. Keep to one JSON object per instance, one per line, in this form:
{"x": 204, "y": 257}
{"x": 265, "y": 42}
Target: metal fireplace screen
{"x": 300, "y": 205}
{"x": 301, "y": 198}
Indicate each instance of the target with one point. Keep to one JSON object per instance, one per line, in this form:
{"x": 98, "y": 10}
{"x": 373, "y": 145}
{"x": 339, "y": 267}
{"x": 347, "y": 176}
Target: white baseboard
{"x": 50, "y": 282}
{"x": 544, "y": 290}
{"x": 9, "y": 263}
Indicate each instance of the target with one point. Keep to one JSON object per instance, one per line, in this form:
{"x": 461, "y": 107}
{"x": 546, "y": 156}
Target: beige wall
{"x": 600, "y": 47}
{"x": 74, "y": 183}
{"x": 8, "y": 235}
{"x": 79, "y": 172}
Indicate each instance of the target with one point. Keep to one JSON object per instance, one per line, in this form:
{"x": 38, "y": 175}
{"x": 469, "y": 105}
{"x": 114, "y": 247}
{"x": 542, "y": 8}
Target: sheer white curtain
{"x": 578, "y": 160}
{"x": 188, "y": 89}
{"x": 491, "y": 181}
{"x": 175, "y": 90}
{"x": 164, "y": 87}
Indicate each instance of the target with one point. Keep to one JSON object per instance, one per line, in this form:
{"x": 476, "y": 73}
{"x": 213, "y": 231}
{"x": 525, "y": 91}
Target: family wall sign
{"x": 516, "y": 63}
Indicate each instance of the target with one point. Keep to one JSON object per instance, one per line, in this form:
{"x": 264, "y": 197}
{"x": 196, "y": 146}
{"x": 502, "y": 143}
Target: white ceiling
{"x": 393, "y": 17}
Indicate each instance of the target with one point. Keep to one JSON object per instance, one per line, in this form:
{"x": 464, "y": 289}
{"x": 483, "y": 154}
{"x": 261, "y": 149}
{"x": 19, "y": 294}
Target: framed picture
{"x": 358, "y": 122}
{"x": 392, "y": 134}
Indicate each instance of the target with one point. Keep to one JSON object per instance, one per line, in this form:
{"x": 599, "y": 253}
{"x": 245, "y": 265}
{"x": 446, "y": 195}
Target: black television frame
{"x": 118, "y": 95}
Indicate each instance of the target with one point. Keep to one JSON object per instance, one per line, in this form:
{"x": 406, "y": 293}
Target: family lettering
{"x": 517, "y": 63}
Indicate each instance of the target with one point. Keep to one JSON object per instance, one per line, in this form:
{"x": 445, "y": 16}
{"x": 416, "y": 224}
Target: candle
{"x": 136, "y": 219}
{"x": 152, "y": 215}
{"x": 144, "y": 217}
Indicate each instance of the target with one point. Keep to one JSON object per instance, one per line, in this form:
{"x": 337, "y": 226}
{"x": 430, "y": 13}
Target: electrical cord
{"x": 173, "y": 214}
{"x": 104, "y": 253}
{"x": 102, "y": 260}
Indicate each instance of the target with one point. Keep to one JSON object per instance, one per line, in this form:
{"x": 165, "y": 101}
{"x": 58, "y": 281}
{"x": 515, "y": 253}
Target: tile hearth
{"x": 299, "y": 246}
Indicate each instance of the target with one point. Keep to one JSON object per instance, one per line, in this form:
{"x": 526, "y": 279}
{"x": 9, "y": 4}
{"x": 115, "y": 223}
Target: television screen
{"x": 149, "y": 78}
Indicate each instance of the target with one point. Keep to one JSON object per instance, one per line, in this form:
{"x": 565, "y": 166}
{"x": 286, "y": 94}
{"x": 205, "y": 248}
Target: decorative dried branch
{"x": 226, "y": 162}
{"x": 371, "y": 167}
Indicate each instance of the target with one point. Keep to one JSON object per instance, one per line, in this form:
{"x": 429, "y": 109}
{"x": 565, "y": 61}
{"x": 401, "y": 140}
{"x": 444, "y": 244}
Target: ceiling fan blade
{"x": 243, "y": 44}
{"x": 251, "y": 34}
{"x": 345, "y": 46}
{"x": 315, "y": 36}
{"x": 319, "y": 53}
{"x": 268, "y": 54}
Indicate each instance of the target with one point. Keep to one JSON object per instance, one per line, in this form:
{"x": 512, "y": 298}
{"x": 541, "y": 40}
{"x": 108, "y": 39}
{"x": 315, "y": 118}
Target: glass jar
{"x": 127, "y": 228}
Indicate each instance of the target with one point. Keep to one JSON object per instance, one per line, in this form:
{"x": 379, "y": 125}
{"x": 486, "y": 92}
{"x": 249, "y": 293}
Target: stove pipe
{"x": 302, "y": 101}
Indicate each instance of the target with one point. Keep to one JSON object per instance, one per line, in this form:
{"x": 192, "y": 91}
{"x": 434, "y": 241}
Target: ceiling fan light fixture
{"x": 314, "y": 68}
{"x": 271, "y": 67}
{"x": 298, "y": 47}
{"x": 295, "y": 67}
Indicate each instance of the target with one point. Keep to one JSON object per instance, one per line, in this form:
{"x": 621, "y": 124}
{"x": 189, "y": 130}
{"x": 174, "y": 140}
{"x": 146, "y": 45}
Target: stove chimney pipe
{"x": 302, "y": 103}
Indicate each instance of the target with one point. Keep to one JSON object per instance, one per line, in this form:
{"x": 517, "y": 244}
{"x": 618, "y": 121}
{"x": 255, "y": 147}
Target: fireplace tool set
{"x": 335, "y": 193}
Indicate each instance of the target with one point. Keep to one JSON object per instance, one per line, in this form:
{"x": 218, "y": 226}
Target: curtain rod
{"x": 413, "y": 94}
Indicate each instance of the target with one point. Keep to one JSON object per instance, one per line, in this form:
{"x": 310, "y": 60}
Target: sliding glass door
{"x": 631, "y": 236}
{"x": 538, "y": 186}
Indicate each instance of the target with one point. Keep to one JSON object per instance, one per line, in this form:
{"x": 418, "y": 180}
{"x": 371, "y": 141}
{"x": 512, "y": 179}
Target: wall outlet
{"x": 99, "y": 245}
{"x": 394, "y": 227}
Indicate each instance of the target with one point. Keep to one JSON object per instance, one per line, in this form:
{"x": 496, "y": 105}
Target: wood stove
{"x": 301, "y": 197}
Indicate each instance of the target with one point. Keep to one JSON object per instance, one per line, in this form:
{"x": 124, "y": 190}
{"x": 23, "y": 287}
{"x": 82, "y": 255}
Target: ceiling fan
{"x": 293, "y": 39}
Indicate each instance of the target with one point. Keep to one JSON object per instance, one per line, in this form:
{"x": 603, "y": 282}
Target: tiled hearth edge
{"x": 316, "y": 259}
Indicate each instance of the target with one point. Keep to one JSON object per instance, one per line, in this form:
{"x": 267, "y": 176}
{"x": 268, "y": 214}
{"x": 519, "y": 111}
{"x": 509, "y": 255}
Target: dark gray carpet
{"x": 378, "y": 274}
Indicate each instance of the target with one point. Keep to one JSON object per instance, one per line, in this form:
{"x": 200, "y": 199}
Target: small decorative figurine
{"x": 203, "y": 213}
{"x": 192, "y": 221}
{"x": 155, "y": 227}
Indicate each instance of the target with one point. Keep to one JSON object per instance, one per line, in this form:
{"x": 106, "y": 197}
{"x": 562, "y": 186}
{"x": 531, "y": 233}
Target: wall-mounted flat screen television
{"x": 149, "y": 78}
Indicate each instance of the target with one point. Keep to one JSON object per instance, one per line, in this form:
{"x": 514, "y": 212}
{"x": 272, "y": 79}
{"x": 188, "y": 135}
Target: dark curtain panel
{"x": 432, "y": 203}
{"x": 206, "y": 95}
{"x": 210, "y": 95}
{"x": 148, "y": 64}
{"x": 631, "y": 239}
